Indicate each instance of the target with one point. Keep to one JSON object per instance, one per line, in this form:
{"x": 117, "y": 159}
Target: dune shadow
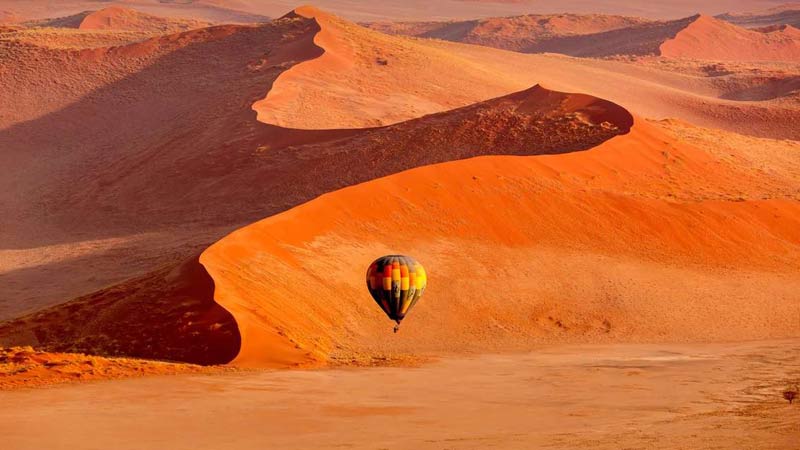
{"x": 168, "y": 314}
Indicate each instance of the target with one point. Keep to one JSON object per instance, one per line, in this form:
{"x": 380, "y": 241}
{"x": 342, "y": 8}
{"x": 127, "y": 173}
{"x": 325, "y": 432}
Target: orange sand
{"x": 699, "y": 37}
{"x": 24, "y": 367}
{"x": 588, "y": 246}
{"x": 709, "y": 38}
{"x": 598, "y": 397}
{"x": 387, "y": 79}
{"x": 591, "y": 231}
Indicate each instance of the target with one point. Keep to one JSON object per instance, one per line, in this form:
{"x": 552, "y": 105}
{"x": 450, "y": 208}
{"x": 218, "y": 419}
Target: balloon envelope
{"x": 396, "y": 282}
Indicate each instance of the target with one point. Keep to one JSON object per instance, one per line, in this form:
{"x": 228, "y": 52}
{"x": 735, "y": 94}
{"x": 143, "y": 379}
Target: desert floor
{"x": 712, "y": 396}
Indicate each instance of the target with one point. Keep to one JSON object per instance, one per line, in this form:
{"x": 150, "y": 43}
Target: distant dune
{"x": 360, "y": 70}
{"x": 699, "y": 37}
{"x": 121, "y": 19}
{"x": 788, "y": 14}
{"x": 529, "y": 33}
{"x": 709, "y": 38}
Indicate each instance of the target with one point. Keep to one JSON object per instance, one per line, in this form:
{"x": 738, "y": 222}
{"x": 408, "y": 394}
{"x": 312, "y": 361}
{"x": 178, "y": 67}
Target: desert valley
{"x": 605, "y": 197}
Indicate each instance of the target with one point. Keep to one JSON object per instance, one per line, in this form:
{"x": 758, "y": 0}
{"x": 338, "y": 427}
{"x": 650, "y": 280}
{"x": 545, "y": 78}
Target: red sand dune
{"x": 530, "y": 33}
{"x": 360, "y": 70}
{"x": 175, "y": 304}
{"x": 698, "y": 37}
{"x": 89, "y": 200}
{"x": 709, "y": 38}
{"x": 788, "y": 14}
{"x": 124, "y": 19}
{"x": 121, "y": 19}
{"x": 592, "y": 252}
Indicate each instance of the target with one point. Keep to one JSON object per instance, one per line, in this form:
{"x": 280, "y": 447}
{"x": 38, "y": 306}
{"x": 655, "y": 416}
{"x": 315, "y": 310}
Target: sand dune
{"x": 121, "y": 19}
{"x": 580, "y": 259}
{"x": 530, "y": 33}
{"x": 699, "y": 37}
{"x": 362, "y": 69}
{"x": 56, "y": 142}
{"x": 709, "y": 38}
{"x": 172, "y": 166}
{"x": 654, "y": 214}
{"x": 536, "y": 121}
{"x": 788, "y": 14}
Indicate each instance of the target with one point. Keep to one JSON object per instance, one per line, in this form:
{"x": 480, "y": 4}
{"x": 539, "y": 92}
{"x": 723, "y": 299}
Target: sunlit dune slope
{"x": 710, "y": 38}
{"x": 614, "y": 244}
{"x": 124, "y": 19}
{"x": 109, "y": 27}
{"x": 365, "y": 78}
{"x": 116, "y": 18}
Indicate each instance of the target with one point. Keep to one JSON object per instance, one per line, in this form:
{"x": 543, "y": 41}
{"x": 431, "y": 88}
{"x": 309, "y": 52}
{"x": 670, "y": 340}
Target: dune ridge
{"x": 577, "y": 262}
{"x": 787, "y": 14}
{"x": 710, "y": 38}
{"x": 118, "y": 18}
{"x": 529, "y": 33}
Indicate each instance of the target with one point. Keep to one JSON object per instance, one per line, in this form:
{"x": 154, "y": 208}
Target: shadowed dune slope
{"x": 92, "y": 199}
{"x": 521, "y": 33}
{"x": 788, "y": 14}
{"x": 588, "y": 246}
{"x": 169, "y": 314}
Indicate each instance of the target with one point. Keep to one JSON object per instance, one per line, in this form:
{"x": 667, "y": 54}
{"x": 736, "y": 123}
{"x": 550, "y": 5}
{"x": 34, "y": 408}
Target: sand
{"x": 25, "y": 368}
{"x": 713, "y": 39}
{"x": 699, "y": 37}
{"x": 360, "y": 69}
{"x": 660, "y": 209}
{"x": 569, "y": 221}
{"x": 714, "y": 396}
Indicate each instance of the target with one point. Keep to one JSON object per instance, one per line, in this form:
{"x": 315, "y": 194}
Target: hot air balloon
{"x": 396, "y": 282}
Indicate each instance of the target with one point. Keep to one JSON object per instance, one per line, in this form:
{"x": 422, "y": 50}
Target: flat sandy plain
{"x": 712, "y": 396}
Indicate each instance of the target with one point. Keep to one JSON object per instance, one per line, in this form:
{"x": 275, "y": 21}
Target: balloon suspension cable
{"x": 396, "y": 328}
